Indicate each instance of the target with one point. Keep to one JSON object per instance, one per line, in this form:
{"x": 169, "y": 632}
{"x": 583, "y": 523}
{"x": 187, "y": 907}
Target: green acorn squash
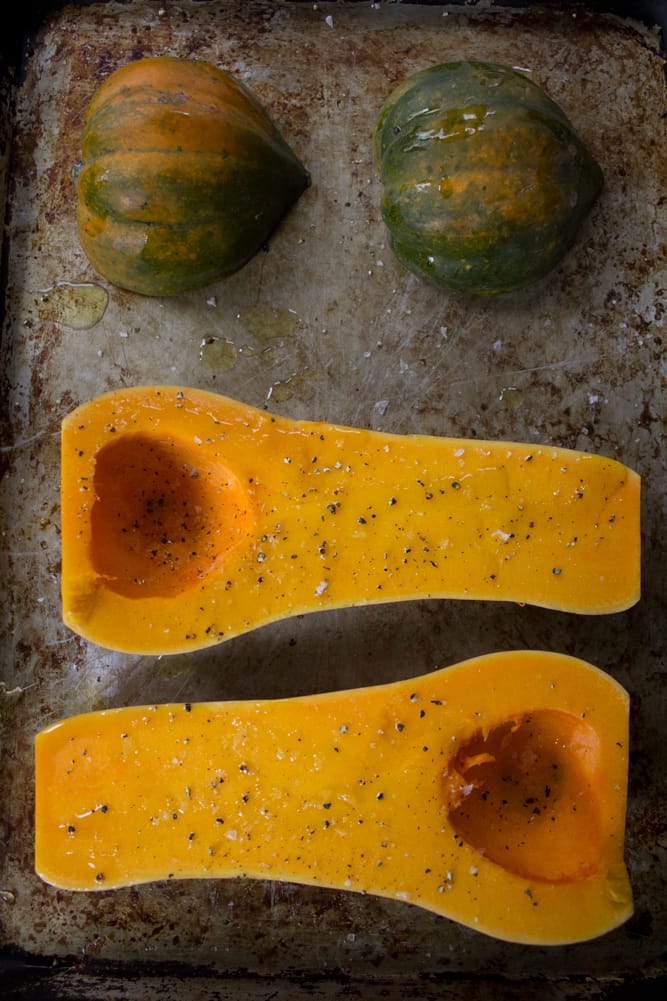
{"x": 183, "y": 176}
{"x": 485, "y": 182}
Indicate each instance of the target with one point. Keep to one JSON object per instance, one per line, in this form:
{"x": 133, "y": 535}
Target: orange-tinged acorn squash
{"x": 492, "y": 792}
{"x": 485, "y": 181}
{"x": 184, "y": 176}
{"x": 188, "y": 518}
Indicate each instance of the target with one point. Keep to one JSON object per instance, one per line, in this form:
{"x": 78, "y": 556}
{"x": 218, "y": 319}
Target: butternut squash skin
{"x": 189, "y": 518}
{"x": 486, "y": 183}
{"x": 492, "y": 792}
{"x": 184, "y": 176}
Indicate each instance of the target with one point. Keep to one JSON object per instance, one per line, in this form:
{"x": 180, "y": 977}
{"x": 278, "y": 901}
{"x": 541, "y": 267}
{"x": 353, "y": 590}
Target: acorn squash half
{"x": 184, "y": 176}
{"x": 485, "y": 183}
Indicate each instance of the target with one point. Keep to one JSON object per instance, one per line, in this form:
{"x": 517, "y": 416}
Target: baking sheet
{"x": 325, "y": 324}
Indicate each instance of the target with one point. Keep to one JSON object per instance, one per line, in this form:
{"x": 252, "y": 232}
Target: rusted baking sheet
{"x": 325, "y": 324}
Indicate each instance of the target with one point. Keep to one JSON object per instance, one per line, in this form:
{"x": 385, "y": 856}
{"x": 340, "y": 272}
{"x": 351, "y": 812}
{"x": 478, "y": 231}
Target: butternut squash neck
{"x": 188, "y": 518}
{"x": 492, "y": 792}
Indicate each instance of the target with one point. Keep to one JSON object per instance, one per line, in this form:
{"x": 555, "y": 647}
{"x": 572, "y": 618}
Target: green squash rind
{"x": 162, "y": 216}
{"x": 485, "y": 181}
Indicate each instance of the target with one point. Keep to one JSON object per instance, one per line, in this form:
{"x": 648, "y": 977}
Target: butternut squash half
{"x": 492, "y": 792}
{"x": 189, "y": 518}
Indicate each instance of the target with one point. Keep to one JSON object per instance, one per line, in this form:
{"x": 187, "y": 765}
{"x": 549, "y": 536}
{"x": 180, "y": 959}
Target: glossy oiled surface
{"x": 325, "y": 325}
{"x": 188, "y": 518}
{"x": 362, "y": 791}
{"x": 485, "y": 181}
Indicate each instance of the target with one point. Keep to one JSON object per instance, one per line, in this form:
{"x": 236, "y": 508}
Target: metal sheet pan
{"x": 325, "y": 324}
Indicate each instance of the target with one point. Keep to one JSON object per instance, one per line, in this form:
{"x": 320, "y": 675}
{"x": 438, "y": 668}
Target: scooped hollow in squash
{"x": 492, "y": 792}
{"x": 189, "y": 518}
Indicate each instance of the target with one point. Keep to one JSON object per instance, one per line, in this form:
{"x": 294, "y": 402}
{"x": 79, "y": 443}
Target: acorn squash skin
{"x": 485, "y": 182}
{"x": 183, "y": 178}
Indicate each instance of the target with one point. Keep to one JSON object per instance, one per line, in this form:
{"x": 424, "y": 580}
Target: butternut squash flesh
{"x": 492, "y": 792}
{"x": 189, "y": 518}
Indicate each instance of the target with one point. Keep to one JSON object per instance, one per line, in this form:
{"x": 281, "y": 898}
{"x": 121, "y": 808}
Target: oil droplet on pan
{"x": 511, "y": 397}
{"x": 284, "y": 389}
{"x": 79, "y": 306}
{"x": 218, "y": 353}
{"x": 267, "y": 323}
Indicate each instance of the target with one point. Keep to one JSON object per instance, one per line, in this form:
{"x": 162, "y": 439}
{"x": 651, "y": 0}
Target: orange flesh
{"x": 152, "y": 534}
{"x": 359, "y": 790}
{"x": 188, "y": 518}
{"x": 529, "y": 802}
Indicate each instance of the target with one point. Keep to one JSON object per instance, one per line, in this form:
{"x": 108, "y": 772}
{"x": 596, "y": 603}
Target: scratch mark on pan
{"x": 494, "y": 376}
{"x": 28, "y": 441}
